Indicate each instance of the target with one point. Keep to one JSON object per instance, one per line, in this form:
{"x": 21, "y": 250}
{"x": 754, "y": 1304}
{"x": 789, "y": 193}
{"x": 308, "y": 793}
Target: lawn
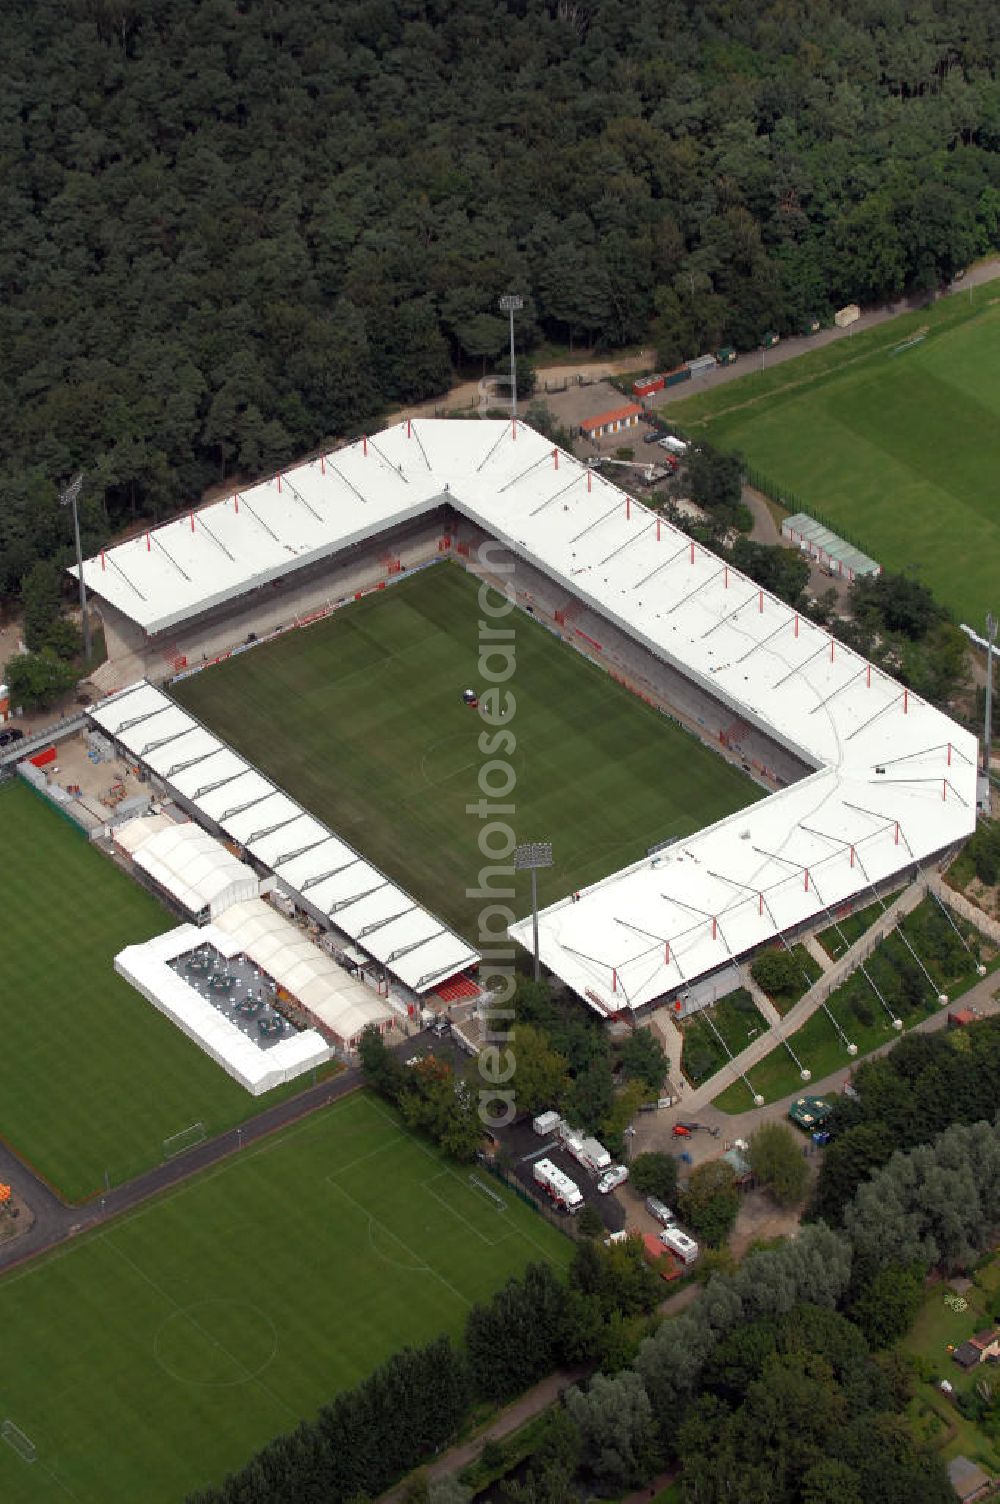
{"x": 897, "y": 451}
{"x": 862, "y": 1018}
{"x": 937, "y": 1327}
{"x": 94, "y": 1077}
{"x": 157, "y": 1355}
{"x": 849, "y": 928}
{"x": 360, "y": 717}
{"x": 734, "y": 1019}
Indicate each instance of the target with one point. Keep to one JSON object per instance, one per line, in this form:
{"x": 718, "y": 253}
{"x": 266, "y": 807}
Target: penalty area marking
{"x": 418, "y": 1266}
{"x": 428, "y": 1185}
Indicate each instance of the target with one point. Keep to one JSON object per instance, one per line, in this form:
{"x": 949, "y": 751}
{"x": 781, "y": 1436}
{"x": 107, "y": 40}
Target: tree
{"x": 614, "y": 1419}
{"x": 36, "y": 680}
{"x": 644, "y": 1059}
{"x": 709, "y": 1202}
{"x": 379, "y": 1065}
{"x": 776, "y": 1161}
{"x": 588, "y": 1222}
{"x": 40, "y": 599}
{"x": 777, "y": 972}
{"x": 888, "y": 1303}
{"x": 518, "y": 1336}
{"x": 654, "y": 1173}
{"x": 540, "y": 1077}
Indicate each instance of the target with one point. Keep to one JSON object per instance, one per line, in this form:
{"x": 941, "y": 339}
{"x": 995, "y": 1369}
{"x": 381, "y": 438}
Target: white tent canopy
{"x": 342, "y": 1003}
{"x": 146, "y": 968}
{"x": 188, "y": 863}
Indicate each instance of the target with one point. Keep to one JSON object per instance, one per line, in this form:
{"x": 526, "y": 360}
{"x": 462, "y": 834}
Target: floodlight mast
{"x": 511, "y": 303}
{"x": 528, "y": 858}
{"x": 68, "y": 498}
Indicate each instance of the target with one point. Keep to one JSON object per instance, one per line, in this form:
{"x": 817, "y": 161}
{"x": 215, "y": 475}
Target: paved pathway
{"x": 810, "y": 1001}
{"x": 655, "y": 1132}
{"x": 822, "y": 957}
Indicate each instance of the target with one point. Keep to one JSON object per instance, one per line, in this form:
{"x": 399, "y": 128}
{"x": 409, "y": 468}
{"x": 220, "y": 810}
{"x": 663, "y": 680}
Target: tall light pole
{"x": 511, "y": 303}
{"x": 991, "y": 637}
{"x": 528, "y": 858}
{"x": 68, "y": 498}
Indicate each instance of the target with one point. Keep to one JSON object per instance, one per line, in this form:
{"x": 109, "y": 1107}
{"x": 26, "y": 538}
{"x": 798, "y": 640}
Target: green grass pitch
{"x": 159, "y": 1354}
{"x": 94, "y": 1077}
{"x": 899, "y": 451}
{"x": 361, "y": 718}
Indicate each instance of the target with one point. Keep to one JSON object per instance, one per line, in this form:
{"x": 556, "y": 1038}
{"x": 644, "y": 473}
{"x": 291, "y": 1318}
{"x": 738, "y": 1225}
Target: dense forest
{"x": 236, "y": 228}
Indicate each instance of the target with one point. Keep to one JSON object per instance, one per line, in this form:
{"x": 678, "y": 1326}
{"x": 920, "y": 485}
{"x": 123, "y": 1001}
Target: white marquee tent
{"x": 188, "y": 863}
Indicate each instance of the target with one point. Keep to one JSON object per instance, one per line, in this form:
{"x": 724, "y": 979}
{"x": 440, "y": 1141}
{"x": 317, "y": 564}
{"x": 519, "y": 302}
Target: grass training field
{"x": 94, "y": 1077}
{"x": 898, "y": 451}
{"x": 361, "y": 718}
{"x": 161, "y": 1353}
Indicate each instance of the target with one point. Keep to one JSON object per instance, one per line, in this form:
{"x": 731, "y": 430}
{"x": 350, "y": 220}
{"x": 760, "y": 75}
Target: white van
{"x": 678, "y": 1242}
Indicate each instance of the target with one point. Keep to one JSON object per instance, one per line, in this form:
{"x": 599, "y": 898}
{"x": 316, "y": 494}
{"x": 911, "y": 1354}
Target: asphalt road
{"x": 55, "y": 1222}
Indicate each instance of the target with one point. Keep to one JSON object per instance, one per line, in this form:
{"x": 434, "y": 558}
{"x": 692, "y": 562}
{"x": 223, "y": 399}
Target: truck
{"x": 673, "y": 444}
{"x": 546, "y": 1123}
{"x": 678, "y": 1242}
{"x": 771, "y": 338}
{"x": 725, "y": 356}
{"x": 557, "y": 1186}
{"x": 586, "y": 1151}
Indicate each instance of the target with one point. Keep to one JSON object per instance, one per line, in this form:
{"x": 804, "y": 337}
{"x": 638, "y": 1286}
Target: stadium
{"x": 865, "y": 782}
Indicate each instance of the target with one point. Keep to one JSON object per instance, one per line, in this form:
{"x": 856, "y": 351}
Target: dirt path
{"x": 516, "y": 1415}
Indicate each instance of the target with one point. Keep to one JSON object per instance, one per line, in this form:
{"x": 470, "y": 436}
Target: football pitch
{"x": 94, "y": 1077}
{"x": 361, "y": 718}
{"x": 897, "y": 447}
{"x": 159, "y": 1354}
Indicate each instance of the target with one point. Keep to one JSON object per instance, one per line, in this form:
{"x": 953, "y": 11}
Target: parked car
{"x": 659, "y": 1210}
{"x": 681, "y": 1130}
{"x": 612, "y": 1179}
{"x": 8, "y": 738}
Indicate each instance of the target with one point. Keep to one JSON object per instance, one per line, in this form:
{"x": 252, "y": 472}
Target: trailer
{"x": 586, "y": 1151}
{"x": 546, "y": 1123}
{"x": 678, "y": 1242}
{"x": 557, "y": 1186}
{"x": 702, "y": 363}
{"x": 647, "y": 385}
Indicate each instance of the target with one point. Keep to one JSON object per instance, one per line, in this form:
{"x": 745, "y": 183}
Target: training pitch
{"x": 360, "y": 717}
{"x": 898, "y": 450}
{"x": 94, "y": 1078}
{"x": 159, "y": 1354}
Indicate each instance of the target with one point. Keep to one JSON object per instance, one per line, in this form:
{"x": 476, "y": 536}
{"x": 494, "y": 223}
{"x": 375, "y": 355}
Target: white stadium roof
{"x": 895, "y": 779}
{"x": 309, "y": 860}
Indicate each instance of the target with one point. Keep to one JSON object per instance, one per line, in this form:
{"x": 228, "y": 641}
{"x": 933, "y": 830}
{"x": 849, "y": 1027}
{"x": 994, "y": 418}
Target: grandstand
{"x": 327, "y": 879}
{"x": 878, "y": 781}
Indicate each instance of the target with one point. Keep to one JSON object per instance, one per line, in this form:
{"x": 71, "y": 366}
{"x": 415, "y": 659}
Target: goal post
{"x": 18, "y": 1441}
{"x": 187, "y": 1138}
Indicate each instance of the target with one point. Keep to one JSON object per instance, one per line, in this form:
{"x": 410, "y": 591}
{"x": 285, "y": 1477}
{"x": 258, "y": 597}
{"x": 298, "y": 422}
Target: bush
{"x": 655, "y": 1174}
{"x": 37, "y": 680}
